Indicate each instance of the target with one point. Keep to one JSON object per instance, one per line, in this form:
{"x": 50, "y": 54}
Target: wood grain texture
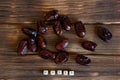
{"x": 15, "y": 14}
{"x": 88, "y": 11}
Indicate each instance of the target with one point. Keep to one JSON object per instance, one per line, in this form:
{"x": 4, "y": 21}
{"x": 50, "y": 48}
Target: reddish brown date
{"x": 83, "y": 60}
{"x": 89, "y": 45}
{"x": 65, "y": 22}
{"x": 61, "y": 57}
{"x": 104, "y": 34}
{"x": 47, "y": 54}
{"x": 32, "y": 46}
{"x": 62, "y": 44}
{"x": 58, "y": 28}
{"x": 42, "y": 28}
{"x": 41, "y": 42}
{"x": 23, "y": 47}
{"x": 51, "y": 15}
{"x": 30, "y": 32}
{"x": 80, "y": 29}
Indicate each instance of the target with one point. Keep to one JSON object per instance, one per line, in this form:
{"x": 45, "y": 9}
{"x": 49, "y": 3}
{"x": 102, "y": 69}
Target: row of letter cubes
{"x": 58, "y": 72}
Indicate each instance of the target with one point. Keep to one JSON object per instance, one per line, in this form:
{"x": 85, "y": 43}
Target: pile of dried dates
{"x": 37, "y": 42}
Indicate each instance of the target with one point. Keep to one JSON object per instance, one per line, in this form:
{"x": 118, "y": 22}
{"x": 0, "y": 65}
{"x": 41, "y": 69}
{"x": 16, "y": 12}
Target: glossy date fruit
{"x": 32, "y": 46}
{"x": 22, "y": 47}
{"x": 51, "y": 15}
{"x": 83, "y": 60}
{"x": 89, "y": 45}
{"x": 80, "y": 29}
{"x": 62, "y": 44}
{"x": 47, "y": 54}
{"x": 42, "y": 28}
{"x": 60, "y": 23}
{"x": 57, "y": 28}
{"x": 65, "y": 22}
{"x": 61, "y": 57}
{"x": 41, "y": 42}
{"x": 30, "y": 32}
{"x": 104, "y": 34}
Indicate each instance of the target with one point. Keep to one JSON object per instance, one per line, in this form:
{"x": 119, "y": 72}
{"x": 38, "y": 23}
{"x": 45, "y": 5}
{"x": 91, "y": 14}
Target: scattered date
{"x": 30, "y": 32}
{"x": 61, "y": 57}
{"x": 83, "y": 60}
{"x": 42, "y": 27}
{"x": 22, "y": 47}
{"x": 104, "y": 34}
{"x": 41, "y": 42}
{"x": 62, "y": 44}
{"x": 80, "y": 29}
{"x": 37, "y": 42}
{"x": 58, "y": 28}
{"x": 51, "y": 15}
{"x": 89, "y": 45}
{"x": 32, "y": 45}
{"x": 65, "y": 22}
{"x": 47, "y": 54}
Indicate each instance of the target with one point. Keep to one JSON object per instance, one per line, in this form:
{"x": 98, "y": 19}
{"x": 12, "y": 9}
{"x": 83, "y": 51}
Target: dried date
{"x": 22, "y": 47}
{"x": 83, "y": 60}
{"x": 104, "y": 34}
{"x": 51, "y": 15}
{"x": 57, "y": 28}
{"x": 89, "y": 45}
{"x": 41, "y": 27}
{"x": 62, "y": 44}
{"x": 32, "y": 46}
{"x": 61, "y": 57}
{"x": 80, "y": 29}
{"x": 47, "y": 54}
{"x": 65, "y": 22}
{"x": 30, "y": 32}
{"x": 41, "y": 42}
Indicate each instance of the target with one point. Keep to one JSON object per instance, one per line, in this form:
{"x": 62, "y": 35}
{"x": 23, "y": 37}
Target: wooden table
{"x": 15, "y": 14}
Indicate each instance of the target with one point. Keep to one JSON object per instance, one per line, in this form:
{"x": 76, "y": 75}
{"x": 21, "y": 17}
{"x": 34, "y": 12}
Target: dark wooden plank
{"x": 12, "y": 34}
{"x": 87, "y": 11}
{"x": 32, "y": 67}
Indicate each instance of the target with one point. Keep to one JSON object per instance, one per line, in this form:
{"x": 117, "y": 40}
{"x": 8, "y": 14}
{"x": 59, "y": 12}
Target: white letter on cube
{"x": 45, "y": 72}
{"x": 65, "y": 73}
{"x": 71, "y": 73}
{"x": 59, "y": 72}
{"x": 52, "y": 72}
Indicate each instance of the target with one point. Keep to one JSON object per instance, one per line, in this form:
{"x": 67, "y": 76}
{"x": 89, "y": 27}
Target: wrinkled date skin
{"x": 80, "y": 29}
{"x": 89, "y": 45}
{"x": 42, "y": 28}
{"x": 61, "y": 57}
{"x": 41, "y": 42}
{"x": 51, "y": 15}
{"x": 62, "y": 44}
{"x": 46, "y": 54}
{"x": 23, "y": 47}
{"x": 32, "y": 46}
{"x": 58, "y": 28}
{"x": 30, "y": 32}
{"x": 83, "y": 60}
{"x": 104, "y": 34}
{"x": 65, "y": 22}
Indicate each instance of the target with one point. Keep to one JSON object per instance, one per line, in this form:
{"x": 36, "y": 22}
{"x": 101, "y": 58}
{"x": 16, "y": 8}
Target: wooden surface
{"x": 15, "y": 14}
